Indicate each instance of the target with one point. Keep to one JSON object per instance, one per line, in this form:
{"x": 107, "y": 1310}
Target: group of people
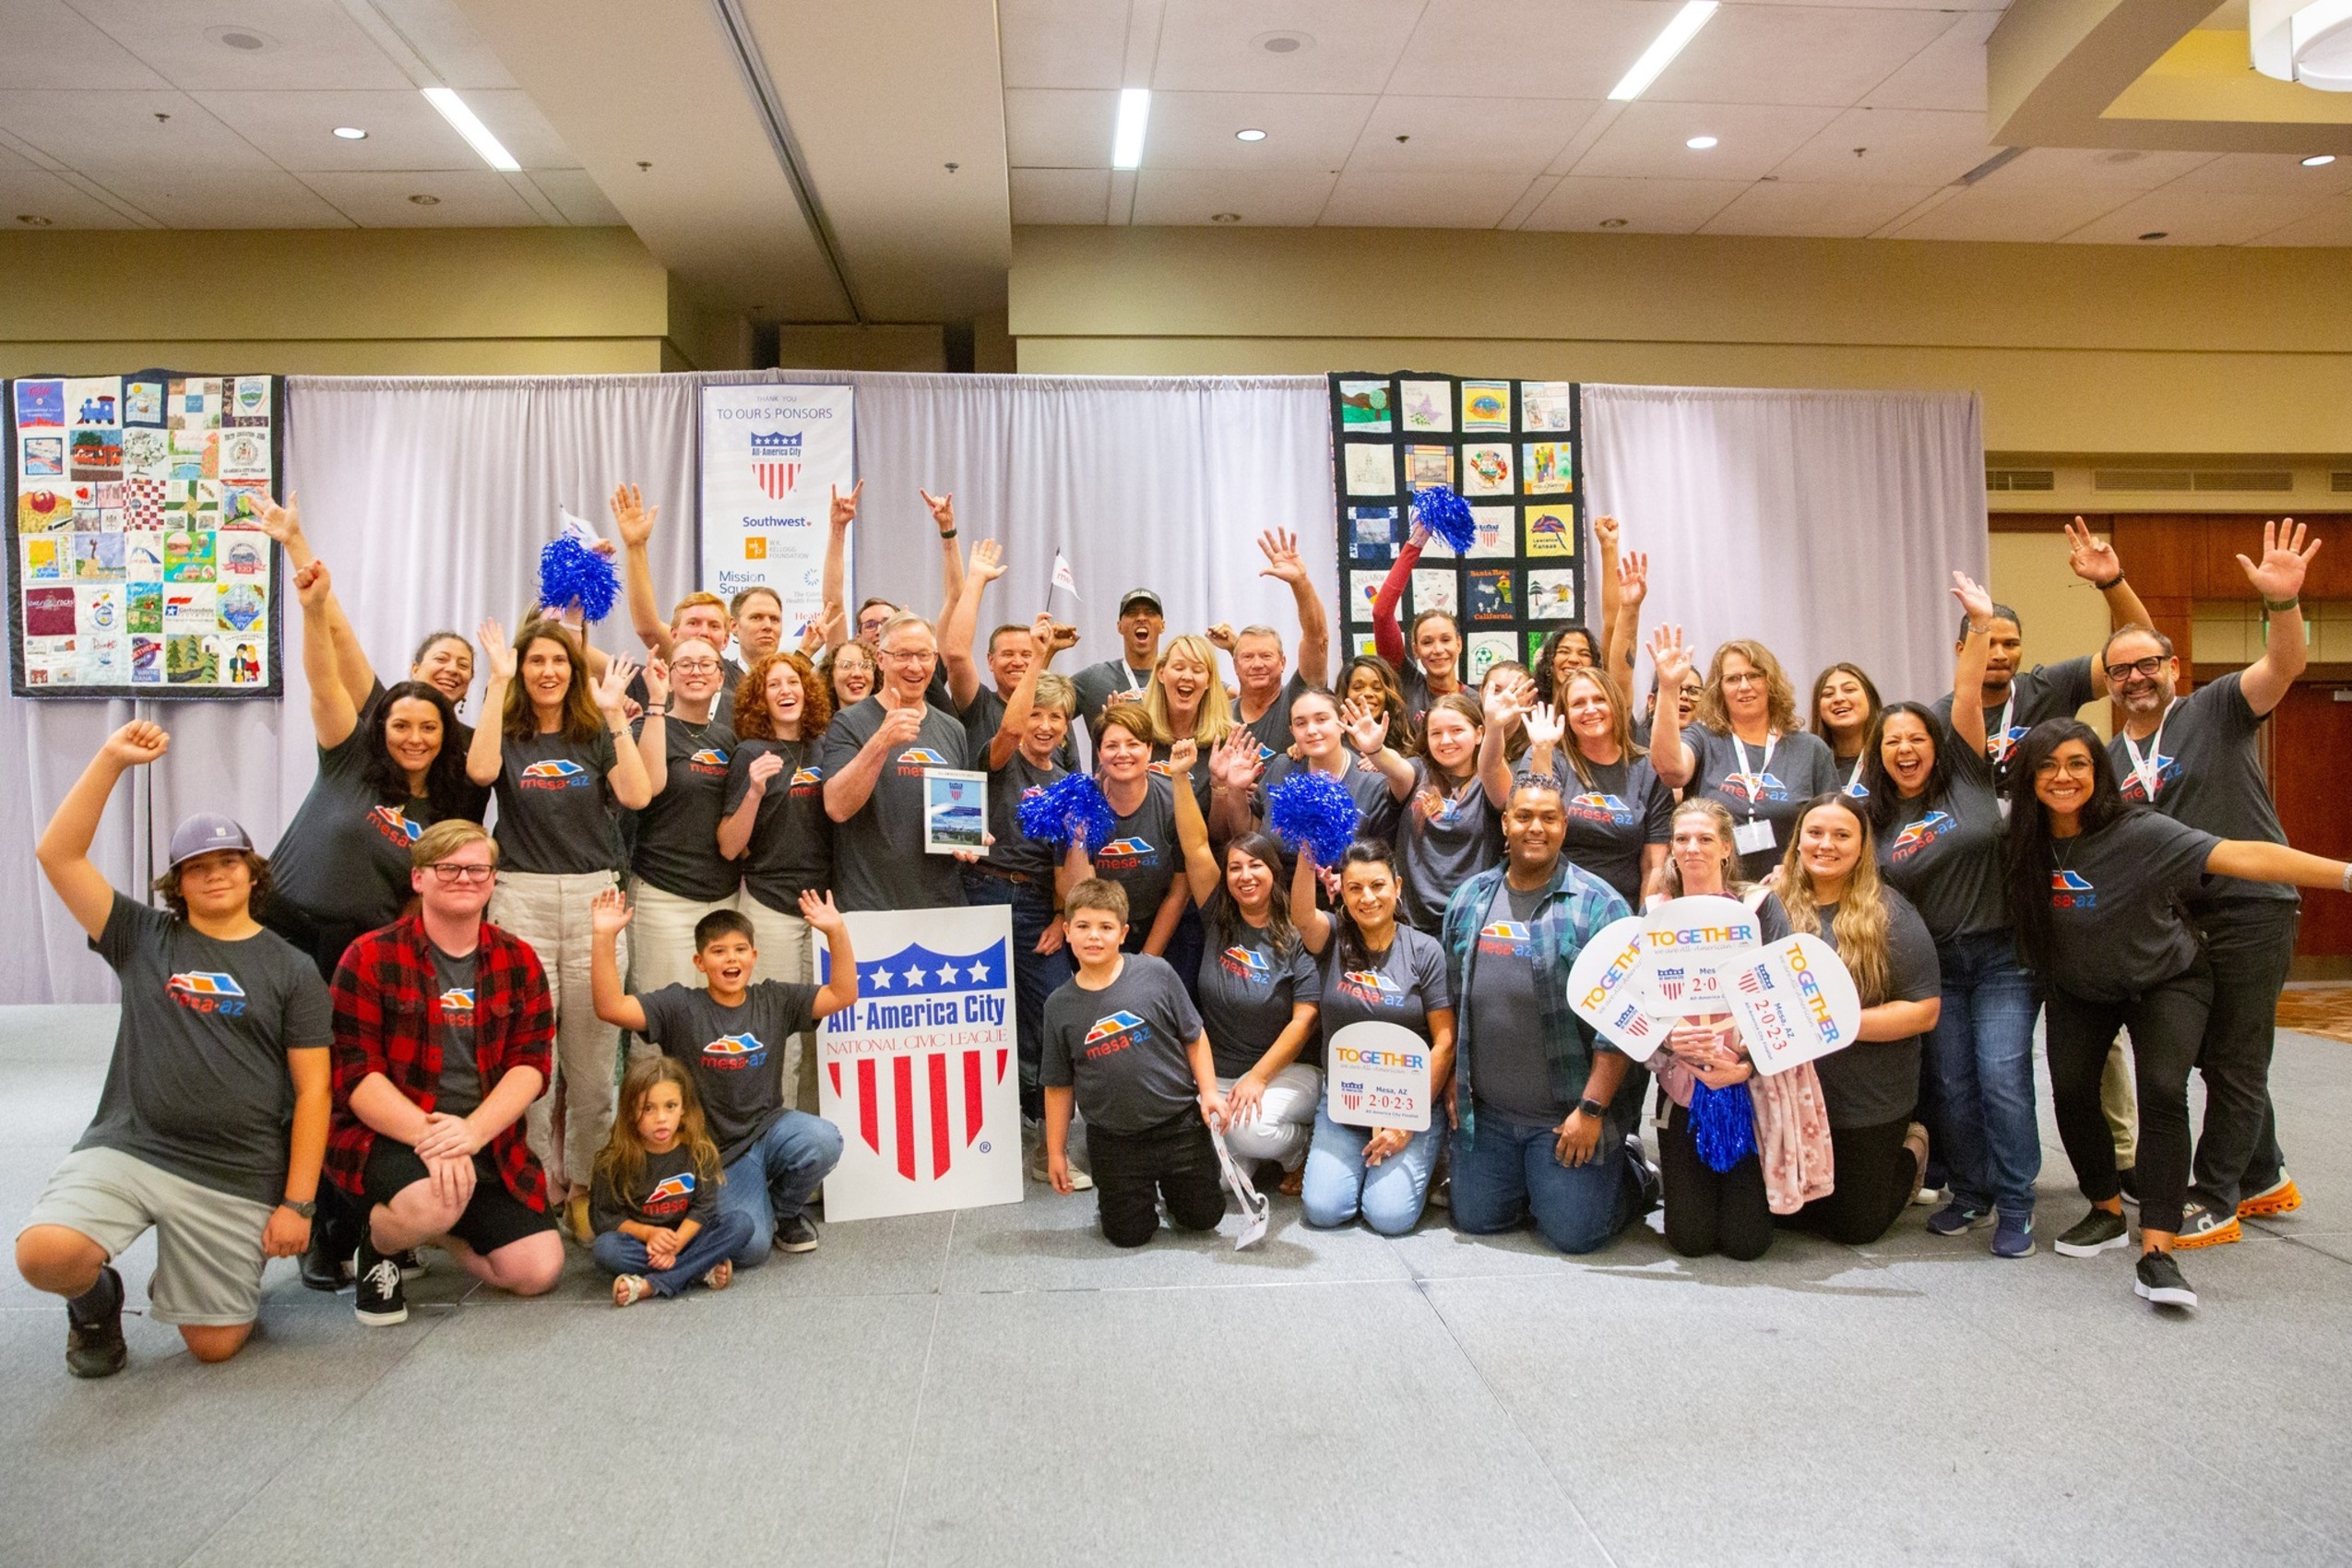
{"x": 596, "y": 1015}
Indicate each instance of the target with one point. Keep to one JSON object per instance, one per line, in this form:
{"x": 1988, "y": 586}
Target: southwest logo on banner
{"x": 772, "y": 453}
{"x": 206, "y": 991}
{"x": 918, "y": 1072}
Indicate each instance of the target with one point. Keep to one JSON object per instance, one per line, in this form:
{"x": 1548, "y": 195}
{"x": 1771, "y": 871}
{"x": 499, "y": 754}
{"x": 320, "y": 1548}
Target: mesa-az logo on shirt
{"x": 1917, "y": 835}
{"x": 709, "y": 762}
{"x": 457, "y": 1007}
{"x": 671, "y": 1198}
{"x": 1127, "y": 852}
{"x": 1504, "y": 939}
{"x": 732, "y": 1053}
{"x": 914, "y": 759}
{"x": 556, "y": 773}
{"x": 1247, "y": 963}
{"x": 1116, "y": 1031}
{"x": 2134, "y": 788}
{"x": 1597, "y": 806}
{"x": 2072, "y": 890}
{"x": 1753, "y": 787}
{"x": 206, "y": 991}
{"x": 1372, "y": 988}
{"x": 394, "y": 823}
{"x": 806, "y": 782}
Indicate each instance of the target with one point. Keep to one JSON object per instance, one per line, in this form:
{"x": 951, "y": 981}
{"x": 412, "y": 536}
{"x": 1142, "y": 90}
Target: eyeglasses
{"x": 449, "y": 875}
{"x": 2146, "y": 668}
{"x": 1745, "y": 678}
{"x": 694, "y": 667}
{"x": 918, "y": 656}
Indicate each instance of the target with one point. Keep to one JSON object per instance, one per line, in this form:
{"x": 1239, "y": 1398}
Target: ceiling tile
{"x": 1646, "y": 207}
{"x": 1795, "y": 55}
{"x": 1210, "y": 45}
{"x": 519, "y": 126}
{"x": 2196, "y": 218}
{"x": 119, "y": 130}
{"x": 225, "y": 198}
{"x": 2119, "y": 169}
{"x": 1646, "y": 140}
{"x": 296, "y": 130}
{"x": 1059, "y": 128}
{"x": 310, "y": 43}
{"x": 1368, "y": 201}
{"x": 1061, "y": 196}
{"x": 1491, "y": 49}
{"x": 1834, "y": 211}
{"x": 1194, "y": 130}
{"x": 1926, "y": 146}
{"x": 1997, "y": 211}
{"x": 1517, "y": 136}
{"x": 51, "y": 44}
{"x": 2280, "y": 171}
{"x": 1291, "y": 197}
{"x": 445, "y": 39}
{"x": 577, "y": 197}
{"x": 2330, "y": 225}
{"x": 479, "y": 198}
{"x": 1063, "y": 43}
{"x": 42, "y": 195}
{"x": 1947, "y": 74}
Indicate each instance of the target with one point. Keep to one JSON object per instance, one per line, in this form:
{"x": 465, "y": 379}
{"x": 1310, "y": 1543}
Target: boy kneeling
{"x": 723, "y": 1033}
{"x": 1121, "y": 1040}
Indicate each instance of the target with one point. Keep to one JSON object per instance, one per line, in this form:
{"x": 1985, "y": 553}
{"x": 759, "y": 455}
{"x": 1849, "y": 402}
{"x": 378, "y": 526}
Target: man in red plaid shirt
{"x": 444, "y": 1035}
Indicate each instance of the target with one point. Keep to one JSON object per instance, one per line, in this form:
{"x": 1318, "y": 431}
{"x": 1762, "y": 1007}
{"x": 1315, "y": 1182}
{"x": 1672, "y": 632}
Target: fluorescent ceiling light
{"x": 1127, "y": 141}
{"x": 467, "y": 125}
{"x": 351, "y": 132}
{"x": 2319, "y": 161}
{"x": 1662, "y": 50}
{"x": 1700, "y": 144}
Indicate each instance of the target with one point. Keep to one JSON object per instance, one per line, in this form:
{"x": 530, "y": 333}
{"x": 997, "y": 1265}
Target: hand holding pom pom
{"x": 1446, "y": 515}
{"x": 1315, "y": 810}
{"x": 570, "y": 573}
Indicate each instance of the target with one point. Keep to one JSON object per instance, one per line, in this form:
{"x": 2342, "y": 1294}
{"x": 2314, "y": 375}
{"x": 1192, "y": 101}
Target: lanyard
{"x": 1854, "y": 774}
{"x": 1754, "y": 778}
{"x": 2148, "y": 769}
{"x": 1997, "y": 742}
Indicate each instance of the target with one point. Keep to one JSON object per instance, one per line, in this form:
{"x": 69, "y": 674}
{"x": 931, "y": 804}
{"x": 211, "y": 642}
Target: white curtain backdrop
{"x": 1826, "y": 524}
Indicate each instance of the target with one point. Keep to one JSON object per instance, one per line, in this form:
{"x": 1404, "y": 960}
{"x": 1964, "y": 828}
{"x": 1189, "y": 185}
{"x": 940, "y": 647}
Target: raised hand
{"x": 1041, "y": 631}
{"x": 283, "y": 524}
{"x": 2279, "y": 575}
{"x": 1366, "y": 725}
{"x": 497, "y": 654}
{"x": 1233, "y": 762}
{"x": 609, "y": 913}
{"x": 1545, "y": 725}
{"x": 2091, "y": 558}
{"x": 820, "y": 911}
{"x": 1282, "y": 558}
{"x": 1419, "y": 535}
{"x": 136, "y": 745}
{"x": 1632, "y": 577}
{"x": 630, "y": 517}
{"x": 765, "y": 766}
{"x": 656, "y": 681}
{"x": 1508, "y": 699}
{"x": 845, "y": 507}
{"x": 1974, "y": 599}
{"x": 901, "y": 727}
{"x": 1670, "y": 657}
{"x": 1181, "y": 754}
{"x": 613, "y": 691}
{"x": 819, "y": 630}
{"x": 1064, "y": 636}
{"x": 942, "y": 508}
{"x": 1222, "y": 635}
{"x": 987, "y": 561}
{"x": 313, "y": 589}
{"x": 1605, "y": 532}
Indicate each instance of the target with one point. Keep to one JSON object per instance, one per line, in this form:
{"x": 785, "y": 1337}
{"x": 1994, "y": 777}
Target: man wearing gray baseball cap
{"x": 213, "y": 1121}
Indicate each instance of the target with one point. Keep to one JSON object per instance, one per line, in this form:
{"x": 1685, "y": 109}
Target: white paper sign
{"x": 918, "y": 1073}
{"x": 1795, "y": 1002}
{"x": 772, "y": 454}
{"x": 1377, "y": 1075}
{"x": 1687, "y": 938}
{"x": 1609, "y": 988}
{"x": 570, "y": 522}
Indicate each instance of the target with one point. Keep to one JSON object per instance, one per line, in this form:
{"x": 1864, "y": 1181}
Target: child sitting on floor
{"x": 655, "y": 1203}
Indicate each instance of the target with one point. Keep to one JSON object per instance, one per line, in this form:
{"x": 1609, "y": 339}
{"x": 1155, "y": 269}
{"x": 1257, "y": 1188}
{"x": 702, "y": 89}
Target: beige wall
{"x": 2075, "y": 349}
{"x": 407, "y": 302}
{"x": 2062, "y": 616}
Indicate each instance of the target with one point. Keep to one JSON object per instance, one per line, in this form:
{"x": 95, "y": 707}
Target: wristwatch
{"x": 307, "y": 1209}
{"x": 1592, "y": 1107}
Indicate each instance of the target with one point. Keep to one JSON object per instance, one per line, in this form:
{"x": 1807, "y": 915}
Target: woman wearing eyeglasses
{"x": 677, "y": 873}
{"x": 1746, "y": 749}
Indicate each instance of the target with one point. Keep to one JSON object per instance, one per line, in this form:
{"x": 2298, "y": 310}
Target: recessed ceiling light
{"x": 1662, "y": 50}
{"x": 2319, "y": 159}
{"x": 32, "y": 220}
{"x": 467, "y": 124}
{"x": 1613, "y": 222}
{"x": 244, "y": 39}
{"x": 420, "y": 199}
{"x": 351, "y": 132}
{"x": 1700, "y": 144}
{"x": 1225, "y": 218}
{"x": 1248, "y": 136}
{"x": 2154, "y": 234}
{"x": 1134, "y": 116}
{"x": 1284, "y": 42}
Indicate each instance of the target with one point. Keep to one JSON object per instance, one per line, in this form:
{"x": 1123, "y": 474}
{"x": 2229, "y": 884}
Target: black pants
{"x": 335, "y": 1230}
{"x": 1875, "y": 1174}
{"x": 2167, "y": 1023}
{"x": 1174, "y": 1160}
{"x": 2251, "y": 944}
{"x": 1708, "y": 1210}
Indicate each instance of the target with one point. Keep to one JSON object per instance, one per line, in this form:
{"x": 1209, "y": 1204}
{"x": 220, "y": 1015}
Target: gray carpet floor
{"x": 998, "y": 1386}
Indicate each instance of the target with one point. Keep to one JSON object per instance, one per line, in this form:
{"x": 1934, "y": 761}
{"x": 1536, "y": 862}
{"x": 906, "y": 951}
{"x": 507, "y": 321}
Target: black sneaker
{"x": 94, "y": 1345}
{"x": 2160, "y": 1282}
{"x": 797, "y": 1234}
{"x": 1653, "y": 1189}
{"x": 2095, "y": 1232}
{"x": 324, "y": 1268}
{"x": 411, "y": 1261}
{"x": 378, "y": 1298}
{"x": 2127, "y": 1182}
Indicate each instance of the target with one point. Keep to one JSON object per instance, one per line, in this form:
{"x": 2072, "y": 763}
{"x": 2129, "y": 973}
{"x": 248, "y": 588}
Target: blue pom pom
{"x": 1314, "y": 809}
{"x": 1070, "y": 806}
{"x": 1723, "y": 1124}
{"x": 1446, "y": 515}
{"x": 569, "y": 570}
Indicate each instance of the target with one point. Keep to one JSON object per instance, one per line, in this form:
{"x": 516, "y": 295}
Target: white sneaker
{"x": 1079, "y": 1180}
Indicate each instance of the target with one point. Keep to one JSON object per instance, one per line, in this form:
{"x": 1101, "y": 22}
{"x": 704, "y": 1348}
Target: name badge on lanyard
{"x": 2149, "y": 768}
{"x": 1755, "y": 835}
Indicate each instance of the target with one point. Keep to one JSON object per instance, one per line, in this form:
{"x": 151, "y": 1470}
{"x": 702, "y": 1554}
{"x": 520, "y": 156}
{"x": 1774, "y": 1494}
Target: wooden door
{"x": 2311, "y": 744}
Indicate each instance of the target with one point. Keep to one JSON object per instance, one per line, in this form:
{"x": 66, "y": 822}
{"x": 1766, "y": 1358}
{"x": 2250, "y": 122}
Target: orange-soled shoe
{"x": 2282, "y": 1196}
{"x": 2200, "y": 1226}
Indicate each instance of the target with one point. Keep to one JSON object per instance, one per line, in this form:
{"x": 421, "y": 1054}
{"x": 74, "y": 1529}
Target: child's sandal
{"x": 722, "y": 1276}
{"x": 628, "y": 1290}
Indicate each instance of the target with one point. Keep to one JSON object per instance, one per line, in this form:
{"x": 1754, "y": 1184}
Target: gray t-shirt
{"x": 2208, "y": 772}
{"x": 791, "y": 851}
{"x": 678, "y": 831}
{"x": 736, "y": 1054}
{"x": 344, "y": 856}
{"x": 1141, "y": 855}
{"x": 1439, "y": 851}
{"x": 1510, "y": 1073}
{"x": 1123, "y": 1047}
{"x": 1404, "y": 985}
{"x": 1248, "y": 988}
{"x": 878, "y": 854}
{"x": 453, "y": 1016}
{"x": 1944, "y": 854}
{"x": 554, "y": 808}
{"x": 1772, "y": 785}
{"x": 1015, "y": 850}
{"x": 197, "y": 1084}
{"x": 668, "y": 1193}
{"x": 1099, "y": 685}
{"x": 1611, "y": 820}
{"x": 1873, "y": 1082}
{"x": 2047, "y": 690}
{"x": 1272, "y": 727}
{"x": 2117, "y": 928}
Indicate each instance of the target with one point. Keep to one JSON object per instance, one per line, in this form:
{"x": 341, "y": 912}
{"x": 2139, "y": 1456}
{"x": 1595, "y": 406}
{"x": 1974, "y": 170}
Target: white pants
{"x": 661, "y": 944}
{"x": 784, "y": 955}
{"x": 551, "y": 912}
{"x": 1285, "y": 1123}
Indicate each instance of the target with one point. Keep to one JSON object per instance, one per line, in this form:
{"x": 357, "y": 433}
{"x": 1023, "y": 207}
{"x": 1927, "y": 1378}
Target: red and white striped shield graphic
{"x": 925, "y": 1113}
{"x": 776, "y": 479}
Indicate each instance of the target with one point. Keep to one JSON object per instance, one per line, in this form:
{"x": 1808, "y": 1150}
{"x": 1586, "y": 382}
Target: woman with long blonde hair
{"x": 1618, "y": 812}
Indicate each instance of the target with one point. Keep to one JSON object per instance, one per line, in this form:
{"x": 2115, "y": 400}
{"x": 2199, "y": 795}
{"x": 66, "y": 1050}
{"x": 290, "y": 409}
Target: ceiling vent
{"x": 2237, "y": 481}
{"x": 2021, "y": 478}
{"x": 2340, "y": 482}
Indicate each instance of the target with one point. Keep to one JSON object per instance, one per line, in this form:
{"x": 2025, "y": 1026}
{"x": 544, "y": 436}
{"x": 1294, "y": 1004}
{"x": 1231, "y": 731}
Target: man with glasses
{"x": 873, "y": 758}
{"x": 2197, "y": 760}
{"x": 444, "y": 1035}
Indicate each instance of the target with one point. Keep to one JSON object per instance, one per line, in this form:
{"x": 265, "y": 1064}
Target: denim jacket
{"x": 1571, "y": 909}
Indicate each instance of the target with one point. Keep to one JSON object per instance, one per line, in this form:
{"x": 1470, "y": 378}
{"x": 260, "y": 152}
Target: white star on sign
{"x": 915, "y": 976}
{"x": 879, "y": 977}
{"x": 979, "y": 971}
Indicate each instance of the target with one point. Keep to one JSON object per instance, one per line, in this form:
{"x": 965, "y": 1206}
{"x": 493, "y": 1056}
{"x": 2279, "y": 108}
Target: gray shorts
{"x": 207, "y": 1244}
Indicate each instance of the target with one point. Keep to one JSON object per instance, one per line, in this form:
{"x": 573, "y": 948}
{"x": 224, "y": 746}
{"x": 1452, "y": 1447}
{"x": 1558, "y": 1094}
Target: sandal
{"x": 722, "y": 1276}
{"x": 628, "y": 1290}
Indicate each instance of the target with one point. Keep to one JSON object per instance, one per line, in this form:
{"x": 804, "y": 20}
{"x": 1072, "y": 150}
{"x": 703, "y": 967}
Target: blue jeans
{"x": 1036, "y": 975}
{"x": 616, "y": 1251}
{"x": 1981, "y": 1053}
{"x": 774, "y": 1179}
{"x": 1338, "y": 1185}
{"x": 1509, "y": 1168}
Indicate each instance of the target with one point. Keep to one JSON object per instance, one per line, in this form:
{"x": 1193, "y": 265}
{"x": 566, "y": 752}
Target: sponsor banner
{"x": 919, "y": 1072}
{"x": 1377, "y": 1075}
{"x": 1609, "y": 988}
{"x": 772, "y": 455}
{"x": 1795, "y": 1002}
{"x": 1686, "y": 939}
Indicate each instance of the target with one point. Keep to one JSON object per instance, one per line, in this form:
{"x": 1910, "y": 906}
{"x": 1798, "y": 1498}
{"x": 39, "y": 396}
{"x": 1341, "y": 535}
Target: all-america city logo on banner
{"x": 772, "y": 454}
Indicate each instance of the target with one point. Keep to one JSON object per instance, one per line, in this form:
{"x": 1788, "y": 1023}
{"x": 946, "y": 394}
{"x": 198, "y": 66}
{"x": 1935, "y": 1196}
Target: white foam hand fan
{"x": 1609, "y": 988}
{"x": 1795, "y": 1002}
{"x": 1687, "y": 941}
